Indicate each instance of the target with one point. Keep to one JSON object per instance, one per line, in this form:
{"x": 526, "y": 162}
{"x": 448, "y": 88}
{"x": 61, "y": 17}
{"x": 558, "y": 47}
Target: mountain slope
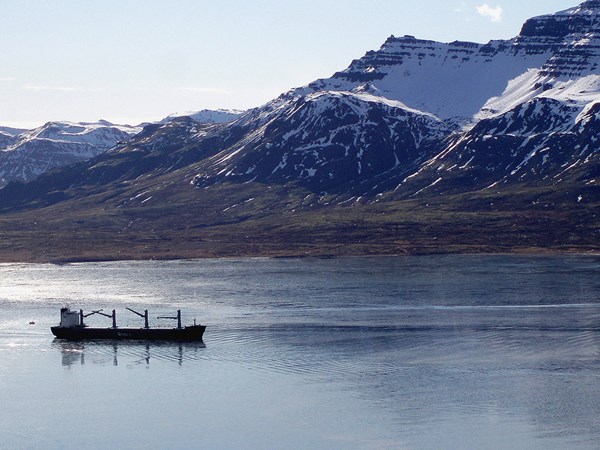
{"x": 543, "y": 141}
{"x": 326, "y": 141}
{"x": 25, "y": 154}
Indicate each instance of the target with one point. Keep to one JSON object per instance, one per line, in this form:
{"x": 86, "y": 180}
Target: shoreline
{"x": 531, "y": 252}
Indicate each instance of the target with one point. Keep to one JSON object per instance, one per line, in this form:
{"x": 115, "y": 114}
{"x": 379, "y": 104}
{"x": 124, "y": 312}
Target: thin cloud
{"x": 204, "y": 90}
{"x": 29, "y": 87}
{"x": 195, "y": 89}
{"x": 7, "y": 78}
{"x": 460, "y": 8}
{"x": 493, "y": 13}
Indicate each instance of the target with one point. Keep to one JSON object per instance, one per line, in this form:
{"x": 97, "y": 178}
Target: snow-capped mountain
{"x": 6, "y": 139}
{"x": 10, "y": 131}
{"x": 544, "y": 125}
{"x": 472, "y": 116}
{"x": 418, "y": 147}
{"x": 458, "y": 80}
{"x": 325, "y": 140}
{"x": 26, "y": 155}
{"x": 542, "y": 140}
{"x": 434, "y": 77}
{"x": 414, "y": 116}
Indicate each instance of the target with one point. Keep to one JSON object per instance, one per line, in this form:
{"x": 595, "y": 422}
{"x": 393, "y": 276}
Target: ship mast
{"x": 178, "y": 318}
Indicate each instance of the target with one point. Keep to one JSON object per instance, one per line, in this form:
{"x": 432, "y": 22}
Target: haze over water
{"x": 369, "y": 353}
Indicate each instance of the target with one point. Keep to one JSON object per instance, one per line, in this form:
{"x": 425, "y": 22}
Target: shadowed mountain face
{"x": 327, "y": 142}
{"x": 463, "y": 126}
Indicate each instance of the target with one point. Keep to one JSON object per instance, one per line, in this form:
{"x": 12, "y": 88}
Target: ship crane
{"x": 112, "y": 316}
{"x": 145, "y": 316}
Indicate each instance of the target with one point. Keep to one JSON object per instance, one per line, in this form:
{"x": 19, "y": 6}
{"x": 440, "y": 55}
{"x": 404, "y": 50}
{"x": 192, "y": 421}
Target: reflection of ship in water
{"x": 131, "y": 353}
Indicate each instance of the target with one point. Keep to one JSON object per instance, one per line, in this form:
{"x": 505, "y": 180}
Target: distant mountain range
{"x": 419, "y": 146}
{"x": 25, "y": 154}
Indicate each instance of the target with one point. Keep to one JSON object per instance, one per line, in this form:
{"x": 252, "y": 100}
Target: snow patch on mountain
{"x": 581, "y": 92}
{"x": 452, "y": 81}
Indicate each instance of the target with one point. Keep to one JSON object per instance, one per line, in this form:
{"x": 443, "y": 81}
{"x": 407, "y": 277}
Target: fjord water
{"x": 372, "y": 353}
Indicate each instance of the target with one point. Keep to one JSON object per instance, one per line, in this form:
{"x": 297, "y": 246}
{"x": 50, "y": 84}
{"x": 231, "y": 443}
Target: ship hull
{"x": 189, "y": 333}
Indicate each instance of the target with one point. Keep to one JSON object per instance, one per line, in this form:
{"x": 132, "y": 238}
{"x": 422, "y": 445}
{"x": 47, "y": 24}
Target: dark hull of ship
{"x": 190, "y": 333}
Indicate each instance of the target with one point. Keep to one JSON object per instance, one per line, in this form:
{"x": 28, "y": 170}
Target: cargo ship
{"x": 73, "y": 328}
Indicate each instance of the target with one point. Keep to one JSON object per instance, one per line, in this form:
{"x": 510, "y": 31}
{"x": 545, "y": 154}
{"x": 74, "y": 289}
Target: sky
{"x": 131, "y": 61}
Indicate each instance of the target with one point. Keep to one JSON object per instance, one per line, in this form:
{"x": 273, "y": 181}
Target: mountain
{"x": 543, "y": 141}
{"x": 473, "y": 116}
{"x": 25, "y": 154}
{"x": 544, "y": 127}
{"x": 6, "y": 139}
{"x": 460, "y": 79}
{"x": 325, "y": 141}
{"x": 417, "y": 147}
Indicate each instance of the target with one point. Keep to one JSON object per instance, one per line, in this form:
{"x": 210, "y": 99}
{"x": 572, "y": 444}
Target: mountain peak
{"x": 584, "y": 18}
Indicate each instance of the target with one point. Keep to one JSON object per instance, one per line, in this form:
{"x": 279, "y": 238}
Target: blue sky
{"x": 135, "y": 60}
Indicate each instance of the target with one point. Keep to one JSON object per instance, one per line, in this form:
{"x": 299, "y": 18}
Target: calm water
{"x": 381, "y": 353}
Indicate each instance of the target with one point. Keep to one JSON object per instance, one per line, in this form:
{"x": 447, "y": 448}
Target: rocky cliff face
{"x": 572, "y": 35}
